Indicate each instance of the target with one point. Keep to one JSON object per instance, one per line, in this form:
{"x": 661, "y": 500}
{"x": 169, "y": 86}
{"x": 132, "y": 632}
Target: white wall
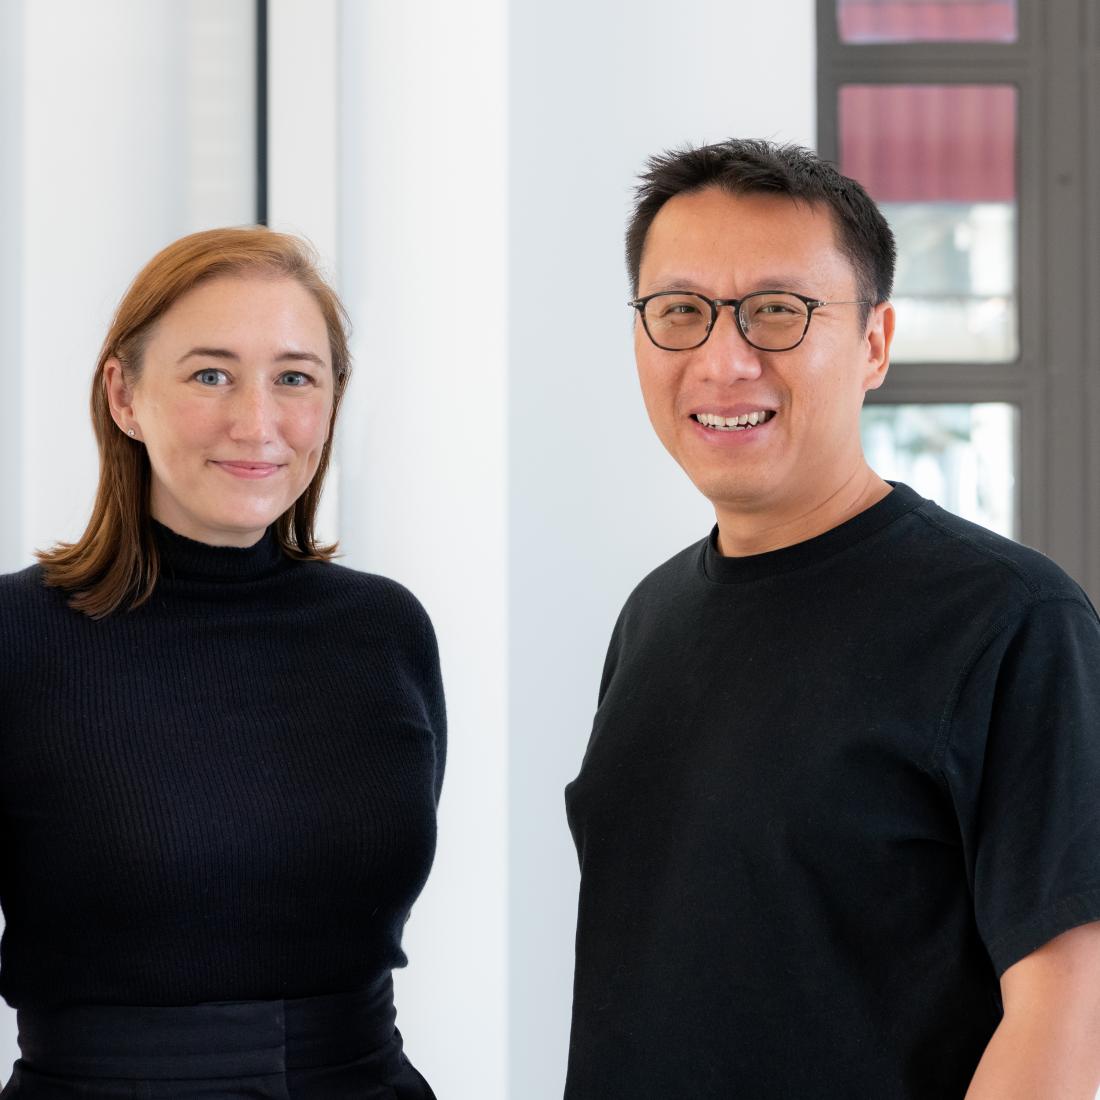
{"x": 451, "y": 162}
{"x": 595, "y": 502}
{"x": 126, "y": 123}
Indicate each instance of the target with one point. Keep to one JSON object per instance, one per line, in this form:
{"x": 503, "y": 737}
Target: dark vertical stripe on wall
{"x": 261, "y": 112}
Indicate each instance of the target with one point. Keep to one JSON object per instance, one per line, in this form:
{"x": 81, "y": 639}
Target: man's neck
{"x": 743, "y": 533}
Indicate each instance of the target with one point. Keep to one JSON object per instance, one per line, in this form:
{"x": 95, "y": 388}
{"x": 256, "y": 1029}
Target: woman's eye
{"x": 295, "y": 378}
{"x": 211, "y": 376}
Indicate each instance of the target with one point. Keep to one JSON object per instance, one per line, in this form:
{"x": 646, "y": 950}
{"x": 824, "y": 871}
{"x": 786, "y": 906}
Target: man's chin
{"x": 742, "y": 493}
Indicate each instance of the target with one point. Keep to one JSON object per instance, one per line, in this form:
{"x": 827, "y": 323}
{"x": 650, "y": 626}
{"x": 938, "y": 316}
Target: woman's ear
{"x": 120, "y": 397}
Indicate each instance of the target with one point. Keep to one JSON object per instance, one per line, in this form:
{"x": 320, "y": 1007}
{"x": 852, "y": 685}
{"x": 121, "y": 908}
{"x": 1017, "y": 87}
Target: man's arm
{"x": 1047, "y": 1046}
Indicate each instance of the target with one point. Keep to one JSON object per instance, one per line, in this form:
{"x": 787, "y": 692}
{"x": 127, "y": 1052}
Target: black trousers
{"x": 339, "y": 1047}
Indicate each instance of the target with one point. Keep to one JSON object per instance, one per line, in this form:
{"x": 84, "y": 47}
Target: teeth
{"x": 734, "y": 423}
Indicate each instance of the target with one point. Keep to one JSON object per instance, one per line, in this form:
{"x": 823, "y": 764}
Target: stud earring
{"x": 130, "y": 432}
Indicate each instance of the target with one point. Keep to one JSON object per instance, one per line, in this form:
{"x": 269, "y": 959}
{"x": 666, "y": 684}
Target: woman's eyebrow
{"x": 300, "y": 357}
{"x": 226, "y": 353}
{"x": 209, "y": 353}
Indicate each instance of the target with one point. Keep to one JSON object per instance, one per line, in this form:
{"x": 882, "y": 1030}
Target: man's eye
{"x": 211, "y": 376}
{"x": 295, "y": 378}
{"x": 680, "y": 309}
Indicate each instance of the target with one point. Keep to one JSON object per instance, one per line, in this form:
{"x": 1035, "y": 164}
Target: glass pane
{"x": 961, "y": 456}
{"x": 865, "y": 21}
{"x": 941, "y": 162}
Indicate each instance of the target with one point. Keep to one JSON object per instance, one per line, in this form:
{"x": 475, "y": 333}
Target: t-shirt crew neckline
{"x": 754, "y": 567}
{"x": 183, "y": 558}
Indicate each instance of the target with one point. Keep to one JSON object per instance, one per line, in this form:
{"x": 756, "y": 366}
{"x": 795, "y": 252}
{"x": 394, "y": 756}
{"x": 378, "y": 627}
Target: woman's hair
{"x": 115, "y": 562}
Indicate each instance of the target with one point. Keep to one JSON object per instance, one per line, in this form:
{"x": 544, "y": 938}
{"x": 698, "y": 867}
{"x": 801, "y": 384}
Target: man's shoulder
{"x": 966, "y": 554}
{"x": 669, "y": 578}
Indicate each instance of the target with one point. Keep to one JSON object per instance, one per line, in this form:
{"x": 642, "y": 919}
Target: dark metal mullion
{"x": 261, "y": 112}
{"x": 1090, "y": 293}
{"x": 1065, "y": 203}
{"x": 926, "y": 383}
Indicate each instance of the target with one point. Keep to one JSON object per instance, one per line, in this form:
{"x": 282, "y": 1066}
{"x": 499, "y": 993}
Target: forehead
{"x": 226, "y": 294}
{"x": 725, "y": 242}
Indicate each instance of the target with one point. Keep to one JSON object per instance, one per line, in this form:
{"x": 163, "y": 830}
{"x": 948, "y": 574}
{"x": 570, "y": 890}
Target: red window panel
{"x": 930, "y": 143}
{"x": 927, "y": 20}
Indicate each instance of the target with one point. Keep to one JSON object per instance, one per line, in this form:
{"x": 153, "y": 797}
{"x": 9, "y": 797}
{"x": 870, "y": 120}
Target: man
{"x": 839, "y": 817}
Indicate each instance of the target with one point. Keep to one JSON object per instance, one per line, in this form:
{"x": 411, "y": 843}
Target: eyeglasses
{"x": 769, "y": 320}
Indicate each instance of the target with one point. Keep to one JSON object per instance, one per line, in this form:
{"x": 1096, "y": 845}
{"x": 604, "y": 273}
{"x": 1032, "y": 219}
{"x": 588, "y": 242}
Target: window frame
{"x": 1056, "y": 392}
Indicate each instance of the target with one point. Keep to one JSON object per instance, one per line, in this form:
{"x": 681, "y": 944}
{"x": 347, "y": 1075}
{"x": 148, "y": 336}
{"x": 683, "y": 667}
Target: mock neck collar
{"x": 182, "y": 558}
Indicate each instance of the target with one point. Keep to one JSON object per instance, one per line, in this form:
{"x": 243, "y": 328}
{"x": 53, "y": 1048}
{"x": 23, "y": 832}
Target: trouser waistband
{"x": 230, "y": 1038}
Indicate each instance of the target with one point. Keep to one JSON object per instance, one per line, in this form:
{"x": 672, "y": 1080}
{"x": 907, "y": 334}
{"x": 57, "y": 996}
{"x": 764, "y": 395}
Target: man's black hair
{"x": 749, "y": 166}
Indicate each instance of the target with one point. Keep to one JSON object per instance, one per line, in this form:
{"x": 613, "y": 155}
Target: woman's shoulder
{"x": 368, "y": 591}
{"x": 27, "y": 588}
{"x": 33, "y": 617}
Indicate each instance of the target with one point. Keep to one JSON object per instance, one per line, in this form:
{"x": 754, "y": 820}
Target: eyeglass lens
{"x": 772, "y": 321}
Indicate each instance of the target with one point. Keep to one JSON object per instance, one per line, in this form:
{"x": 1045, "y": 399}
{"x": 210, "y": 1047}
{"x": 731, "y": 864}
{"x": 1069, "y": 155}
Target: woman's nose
{"x": 252, "y": 414}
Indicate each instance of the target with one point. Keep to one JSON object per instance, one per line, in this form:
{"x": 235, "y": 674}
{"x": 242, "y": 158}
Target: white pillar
{"x": 423, "y": 263}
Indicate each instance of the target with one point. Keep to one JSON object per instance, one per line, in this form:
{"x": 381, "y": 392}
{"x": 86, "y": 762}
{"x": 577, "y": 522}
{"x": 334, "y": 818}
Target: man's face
{"x": 727, "y": 246}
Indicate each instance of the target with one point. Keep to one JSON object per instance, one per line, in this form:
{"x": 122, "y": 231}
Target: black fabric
{"x": 831, "y": 793}
{"x": 226, "y": 794}
{"x": 315, "y": 1048}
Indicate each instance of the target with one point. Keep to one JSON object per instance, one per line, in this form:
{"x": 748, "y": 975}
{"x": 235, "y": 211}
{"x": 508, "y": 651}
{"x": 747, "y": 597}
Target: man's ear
{"x": 878, "y": 338}
{"x": 120, "y": 397}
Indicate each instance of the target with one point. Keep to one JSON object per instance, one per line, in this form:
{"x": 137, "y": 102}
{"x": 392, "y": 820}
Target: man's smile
{"x": 740, "y": 423}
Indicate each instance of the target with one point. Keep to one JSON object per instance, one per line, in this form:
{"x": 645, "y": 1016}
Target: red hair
{"x": 115, "y": 563}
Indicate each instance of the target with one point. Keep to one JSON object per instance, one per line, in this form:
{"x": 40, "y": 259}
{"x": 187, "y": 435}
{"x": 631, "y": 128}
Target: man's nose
{"x": 252, "y": 414}
{"x": 727, "y": 356}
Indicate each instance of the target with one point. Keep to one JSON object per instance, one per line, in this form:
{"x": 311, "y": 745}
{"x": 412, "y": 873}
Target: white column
{"x": 303, "y": 152}
{"x": 137, "y": 128}
{"x": 423, "y": 265}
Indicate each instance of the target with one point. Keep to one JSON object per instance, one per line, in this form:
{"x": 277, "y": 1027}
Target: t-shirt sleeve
{"x": 1022, "y": 762}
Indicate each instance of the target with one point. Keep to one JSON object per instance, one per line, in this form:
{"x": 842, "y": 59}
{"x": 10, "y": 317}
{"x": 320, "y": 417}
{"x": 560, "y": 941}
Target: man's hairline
{"x": 810, "y": 203}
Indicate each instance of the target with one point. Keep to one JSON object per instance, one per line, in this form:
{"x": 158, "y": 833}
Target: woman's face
{"x": 233, "y": 405}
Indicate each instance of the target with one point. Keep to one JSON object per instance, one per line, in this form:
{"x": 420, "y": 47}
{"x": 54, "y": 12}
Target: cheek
{"x": 177, "y": 426}
{"x": 657, "y": 384}
{"x": 308, "y": 426}
{"x": 173, "y": 443}
{"x": 828, "y": 399}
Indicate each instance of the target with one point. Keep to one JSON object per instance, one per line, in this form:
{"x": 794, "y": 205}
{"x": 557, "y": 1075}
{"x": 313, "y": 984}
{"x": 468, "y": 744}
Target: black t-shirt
{"x": 832, "y": 792}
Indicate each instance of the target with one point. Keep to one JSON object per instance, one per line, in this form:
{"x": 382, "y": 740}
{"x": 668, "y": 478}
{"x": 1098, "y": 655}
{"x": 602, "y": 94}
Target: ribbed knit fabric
{"x": 228, "y": 793}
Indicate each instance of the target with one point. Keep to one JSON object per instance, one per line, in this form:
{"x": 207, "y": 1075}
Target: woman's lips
{"x": 249, "y": 470}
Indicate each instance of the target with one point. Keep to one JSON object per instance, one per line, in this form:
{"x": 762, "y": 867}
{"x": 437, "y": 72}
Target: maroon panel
{"x": 927, "y": 20}
{"x": 929, "y": 142}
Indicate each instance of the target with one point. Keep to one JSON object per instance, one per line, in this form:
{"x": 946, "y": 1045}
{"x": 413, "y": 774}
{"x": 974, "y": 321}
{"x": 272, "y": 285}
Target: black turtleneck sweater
{"x": 228, "y": 793}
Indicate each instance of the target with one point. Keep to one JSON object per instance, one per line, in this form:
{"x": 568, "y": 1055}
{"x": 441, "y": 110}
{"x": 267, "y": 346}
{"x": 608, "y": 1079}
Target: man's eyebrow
{"x": 772, "y": 281}
{"x": 282, "y": 357}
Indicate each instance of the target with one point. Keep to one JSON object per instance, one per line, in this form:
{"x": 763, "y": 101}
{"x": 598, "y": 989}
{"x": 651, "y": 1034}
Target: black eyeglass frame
{"x": 715, "y": 303}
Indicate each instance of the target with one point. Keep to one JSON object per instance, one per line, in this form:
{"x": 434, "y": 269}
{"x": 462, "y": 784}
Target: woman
{"x": 220, "y": 753}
